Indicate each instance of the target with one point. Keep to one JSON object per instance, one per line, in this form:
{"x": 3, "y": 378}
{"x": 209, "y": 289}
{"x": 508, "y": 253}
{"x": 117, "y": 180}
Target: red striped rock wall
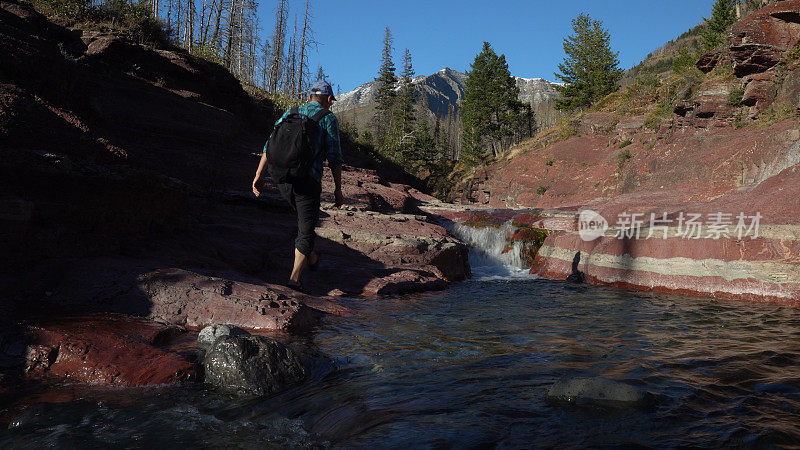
{"x": 709, "y": 157}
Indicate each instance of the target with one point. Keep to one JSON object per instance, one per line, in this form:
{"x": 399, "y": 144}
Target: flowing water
{"x": 471, "y": 366}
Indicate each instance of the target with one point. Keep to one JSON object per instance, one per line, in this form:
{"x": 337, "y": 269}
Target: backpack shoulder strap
{"x": 318, "y": 116}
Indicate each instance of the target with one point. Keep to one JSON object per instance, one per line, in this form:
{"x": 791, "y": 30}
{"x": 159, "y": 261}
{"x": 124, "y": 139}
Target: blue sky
{"x": 450, "y": 33}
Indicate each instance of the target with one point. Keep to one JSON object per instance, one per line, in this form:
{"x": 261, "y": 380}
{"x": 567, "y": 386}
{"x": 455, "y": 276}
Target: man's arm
{"x": 259, "y": 171}
{"x": 334, "y": 156}
{"x": 337, "y": 179}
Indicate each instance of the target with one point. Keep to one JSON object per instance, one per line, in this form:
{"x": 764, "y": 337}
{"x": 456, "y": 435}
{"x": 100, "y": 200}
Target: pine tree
{"x": 590, "y": 69}
{"x": 426, "y": 150}
{"x": 440, "y": 136}
{"x": 723, "y": 15}
{"x": 491, "y": 109}
{"x": 386, "y": 94}
{"x": 404, "y": 126}
{"x": 321, "y": 73}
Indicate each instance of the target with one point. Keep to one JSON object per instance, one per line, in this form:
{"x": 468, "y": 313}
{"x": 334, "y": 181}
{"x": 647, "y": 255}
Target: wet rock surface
{"x": 116, "y": 350}
{"x": 209, "y": 334}
{"x": 251, "y": 365}
{"x": 147, "y": 213}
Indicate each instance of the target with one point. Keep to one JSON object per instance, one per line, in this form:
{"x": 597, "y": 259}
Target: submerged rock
{"x": 576, "y": 276}
{"x": 595, "y": 390}
{"x": 252, "y": 365}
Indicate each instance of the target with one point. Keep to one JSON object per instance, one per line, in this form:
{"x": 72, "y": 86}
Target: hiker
{"x": 300, "y": 179}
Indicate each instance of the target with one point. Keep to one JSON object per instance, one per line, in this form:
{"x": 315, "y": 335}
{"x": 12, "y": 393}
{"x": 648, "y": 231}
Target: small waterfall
{"x": 492, "y": 255}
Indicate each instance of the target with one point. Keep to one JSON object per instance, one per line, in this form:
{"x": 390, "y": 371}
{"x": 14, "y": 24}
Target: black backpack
{"x": 290, "y": 152}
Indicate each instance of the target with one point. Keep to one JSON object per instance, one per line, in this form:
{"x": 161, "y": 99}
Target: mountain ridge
{"x": 440, "y": 94}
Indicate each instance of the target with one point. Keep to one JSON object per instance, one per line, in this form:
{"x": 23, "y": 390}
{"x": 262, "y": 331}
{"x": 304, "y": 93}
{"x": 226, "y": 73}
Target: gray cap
{"x": 321, "y": 87}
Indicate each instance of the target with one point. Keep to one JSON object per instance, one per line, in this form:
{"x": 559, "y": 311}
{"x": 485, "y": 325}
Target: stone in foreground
{"x": 252, "y": 365}
{"x": 117, "y": 350}
{"x": 595, "y": 390}
{"x": 209, "y": 334}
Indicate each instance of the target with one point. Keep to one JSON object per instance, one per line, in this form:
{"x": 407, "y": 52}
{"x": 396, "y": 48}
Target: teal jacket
{"x": 327, "y": 145}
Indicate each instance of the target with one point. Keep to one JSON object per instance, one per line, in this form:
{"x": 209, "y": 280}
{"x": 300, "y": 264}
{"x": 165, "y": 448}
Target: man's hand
{"x": 257, "y": 183}
{"x": 337, "y": 181}
{"x": 339, "y": 198}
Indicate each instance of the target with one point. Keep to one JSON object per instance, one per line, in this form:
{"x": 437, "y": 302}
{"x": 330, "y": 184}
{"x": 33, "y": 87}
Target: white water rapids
{"x": 488, "y": 256}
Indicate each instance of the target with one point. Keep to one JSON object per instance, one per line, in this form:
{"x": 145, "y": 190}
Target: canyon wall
{"x": 727, "y": 155}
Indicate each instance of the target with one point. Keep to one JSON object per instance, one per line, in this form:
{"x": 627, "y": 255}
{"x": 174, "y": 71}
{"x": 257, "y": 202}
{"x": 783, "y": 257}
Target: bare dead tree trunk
{"x": 252, "y": 62}
{"x": 190, "y": 24}
{"x": 215, "y": 36}
{"x": 239, "y": 37}
{"x": 206, "y": 24}
{"x": 169, "y": 18}
{"x": 292, "y": 63}
{"x": 231, "y": 32}
{"x": 178, "y": 23}
{"x": 278, "y": 39}
{"x": 265, "y": 65}
{"x": 304, "y": 44}
{"x": 202, "y": 23}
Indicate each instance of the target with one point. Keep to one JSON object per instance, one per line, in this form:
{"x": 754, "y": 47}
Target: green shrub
{"x": 565, "y": 129}
{"x": 723, "y": 71}
{"x": 648, "y": 79}
{"x": 777, "y": 112}
{"x": 739, "y": 120}
{"x": 655, "y": 117}
{"x": 626, "y": 143}
{"x": 366, "y": 137}
{"x": 548, "y": 162}
{"x": 66, "y": 10}
{"x": 735, "y": 97}
{"x": 793, "y": 55}
{"x": 209, "y": 53}
{"x": 133, "y": 18}
{"x": 685, "y": 61}
{"x": 623, "y": 156}
{"x": 542, "y": 189}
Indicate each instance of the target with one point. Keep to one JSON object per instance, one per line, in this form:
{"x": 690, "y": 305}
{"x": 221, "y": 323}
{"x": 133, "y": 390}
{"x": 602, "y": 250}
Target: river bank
{"x": 128, "y": 226}
{"x": 128, "y": 223}
{"x": 472, "y": 365}
{"x": 115, "y": 319}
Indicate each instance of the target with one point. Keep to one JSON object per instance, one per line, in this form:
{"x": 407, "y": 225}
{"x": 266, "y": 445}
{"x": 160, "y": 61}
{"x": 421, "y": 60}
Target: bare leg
{"x": 300, "y": 264}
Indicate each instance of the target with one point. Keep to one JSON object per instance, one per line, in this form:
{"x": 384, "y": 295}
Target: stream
{"x": 471, "y": 366}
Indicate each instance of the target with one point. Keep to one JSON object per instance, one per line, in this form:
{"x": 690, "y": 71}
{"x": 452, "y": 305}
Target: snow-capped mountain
{"x": 441, "y": 93}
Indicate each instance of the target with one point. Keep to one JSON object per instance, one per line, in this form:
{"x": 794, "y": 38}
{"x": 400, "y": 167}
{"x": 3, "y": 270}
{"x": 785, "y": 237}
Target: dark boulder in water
{"x": 211, "y": 333}
{"x": 596, "y": 390}
{"x": 576, "y": 276}
{"x": 252, "y": 365}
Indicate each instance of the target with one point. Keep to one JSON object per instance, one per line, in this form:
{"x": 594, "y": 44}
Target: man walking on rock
{"x": 302, "y": 190}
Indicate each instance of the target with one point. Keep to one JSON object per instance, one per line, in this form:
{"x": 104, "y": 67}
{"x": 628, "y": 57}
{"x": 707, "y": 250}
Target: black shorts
{"x": 304, "y": 196}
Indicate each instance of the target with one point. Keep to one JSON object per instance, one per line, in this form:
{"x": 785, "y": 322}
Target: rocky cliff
{"x": 128, "y": 221}
{"x": 726, "y": 153}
